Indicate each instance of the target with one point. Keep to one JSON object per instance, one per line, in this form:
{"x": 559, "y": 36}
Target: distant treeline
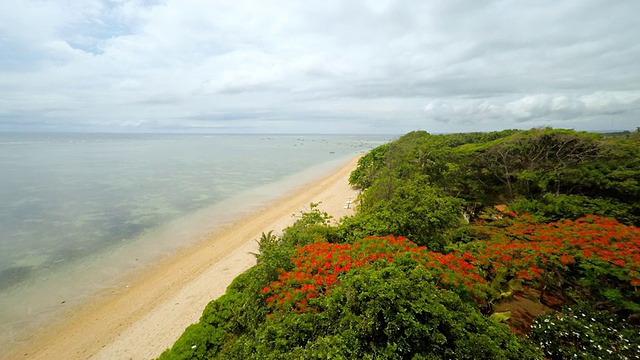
{"x": 548, "y": 172}
{"x": 451, "y": 232}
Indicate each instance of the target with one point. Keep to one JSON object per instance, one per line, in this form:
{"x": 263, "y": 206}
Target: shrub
{"x": 552, "y": 207}
{"x": 385, "y": 311}
{"x": 579, "y": 332}
{"x": 412, "y": 209}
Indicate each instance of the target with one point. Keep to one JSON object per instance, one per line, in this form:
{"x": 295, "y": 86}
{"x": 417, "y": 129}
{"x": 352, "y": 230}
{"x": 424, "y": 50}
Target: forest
{"x": 517, "y": 244}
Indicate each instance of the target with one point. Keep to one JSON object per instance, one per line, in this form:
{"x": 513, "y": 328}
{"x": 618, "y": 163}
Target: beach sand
{"x": 151, "y": 309}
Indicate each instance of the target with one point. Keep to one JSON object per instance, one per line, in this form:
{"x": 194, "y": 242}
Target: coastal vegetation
{"x": 503, "y": 245}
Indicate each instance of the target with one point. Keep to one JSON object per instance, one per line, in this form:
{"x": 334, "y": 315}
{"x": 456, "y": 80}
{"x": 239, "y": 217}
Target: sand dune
{"x": 141, "y": 319}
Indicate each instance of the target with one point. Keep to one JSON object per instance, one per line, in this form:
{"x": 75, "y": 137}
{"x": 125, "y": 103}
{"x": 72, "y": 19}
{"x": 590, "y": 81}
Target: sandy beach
{"x": 145, "y": 315}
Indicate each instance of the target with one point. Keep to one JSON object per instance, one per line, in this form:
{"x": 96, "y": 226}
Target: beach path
{"x": 151, "y": 309}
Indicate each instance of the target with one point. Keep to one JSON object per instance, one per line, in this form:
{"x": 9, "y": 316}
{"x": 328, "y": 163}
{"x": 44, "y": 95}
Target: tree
{"x": 411, "y": 208}
{"x": 534, "y": 162}
{"x": 383, "y": 312}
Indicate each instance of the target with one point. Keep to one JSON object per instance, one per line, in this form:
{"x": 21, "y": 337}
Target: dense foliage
{"x": 548, "y": 172}
{"x": 417, "y": 272}
{"x": 583, "y": 333}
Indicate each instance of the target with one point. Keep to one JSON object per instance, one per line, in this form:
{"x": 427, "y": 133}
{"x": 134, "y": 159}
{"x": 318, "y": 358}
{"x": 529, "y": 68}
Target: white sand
{"x": 147, "y": 314}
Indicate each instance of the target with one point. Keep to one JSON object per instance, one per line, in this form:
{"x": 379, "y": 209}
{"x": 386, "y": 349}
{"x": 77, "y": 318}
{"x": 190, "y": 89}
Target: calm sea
{"x": 79, "y": 210}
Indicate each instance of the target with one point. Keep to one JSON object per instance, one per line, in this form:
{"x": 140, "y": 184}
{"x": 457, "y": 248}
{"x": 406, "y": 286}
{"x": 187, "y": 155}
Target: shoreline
{"x": 141, "y": 319}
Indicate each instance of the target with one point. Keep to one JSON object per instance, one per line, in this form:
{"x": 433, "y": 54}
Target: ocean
{"x": 79, "y": 211}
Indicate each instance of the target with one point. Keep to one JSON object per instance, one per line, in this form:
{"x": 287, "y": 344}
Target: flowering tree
{"x": 586, "y": 253}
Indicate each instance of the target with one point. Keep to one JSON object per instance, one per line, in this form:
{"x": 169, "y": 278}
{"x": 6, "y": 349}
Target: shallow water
{"x": 79, "y": 210}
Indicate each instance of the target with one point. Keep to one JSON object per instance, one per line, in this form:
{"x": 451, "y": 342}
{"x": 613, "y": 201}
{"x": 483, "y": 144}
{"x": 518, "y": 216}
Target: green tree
{"x": 412, "y": 209}
{"x": 384, "y": 312}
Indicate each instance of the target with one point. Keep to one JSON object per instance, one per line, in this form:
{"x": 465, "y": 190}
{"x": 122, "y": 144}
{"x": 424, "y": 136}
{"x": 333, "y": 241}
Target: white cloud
{"x": 535, "y": 109}
{"x": 379, "y": 65}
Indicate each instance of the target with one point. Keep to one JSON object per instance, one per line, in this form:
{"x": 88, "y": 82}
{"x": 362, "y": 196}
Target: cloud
{"x": 382, "y": 66}
{"x": 532, "y": 108}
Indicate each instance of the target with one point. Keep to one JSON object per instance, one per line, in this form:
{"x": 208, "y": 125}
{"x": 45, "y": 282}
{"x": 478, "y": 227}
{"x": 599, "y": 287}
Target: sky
{"x": 325, "y": 66}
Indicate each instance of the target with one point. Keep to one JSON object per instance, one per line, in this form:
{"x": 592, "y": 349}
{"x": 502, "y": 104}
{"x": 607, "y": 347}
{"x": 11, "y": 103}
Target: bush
{"x": 225, "y": 319}
{"x": 413, "y": 209}
{"x": 556, "y": 207}
{"x": 579, "y": 332}
{"x": 243, "y": 307}
{"x": 383, "y": 312}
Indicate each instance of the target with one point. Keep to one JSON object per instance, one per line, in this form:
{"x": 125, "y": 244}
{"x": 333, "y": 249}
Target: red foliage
{"x": 594, "y": 239}
{"x": 524, "y": 249}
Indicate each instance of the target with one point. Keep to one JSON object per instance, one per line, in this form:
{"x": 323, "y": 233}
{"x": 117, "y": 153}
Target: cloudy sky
{"x": 322, "y": 66}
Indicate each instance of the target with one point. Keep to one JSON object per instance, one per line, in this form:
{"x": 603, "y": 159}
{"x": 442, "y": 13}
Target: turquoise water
{"x": 78, "y": 208}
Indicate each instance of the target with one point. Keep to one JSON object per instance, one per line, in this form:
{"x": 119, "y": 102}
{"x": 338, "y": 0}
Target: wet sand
{"x": 145, "y": 315}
